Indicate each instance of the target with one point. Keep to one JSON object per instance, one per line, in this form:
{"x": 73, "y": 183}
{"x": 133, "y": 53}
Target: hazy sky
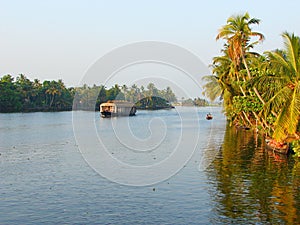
{"x": 62, "y": 39}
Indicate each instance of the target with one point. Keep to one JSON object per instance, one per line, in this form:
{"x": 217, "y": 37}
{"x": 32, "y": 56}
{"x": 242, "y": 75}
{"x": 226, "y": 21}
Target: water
{"x": 252, "y": 185}
{"x": 45, "y": 179}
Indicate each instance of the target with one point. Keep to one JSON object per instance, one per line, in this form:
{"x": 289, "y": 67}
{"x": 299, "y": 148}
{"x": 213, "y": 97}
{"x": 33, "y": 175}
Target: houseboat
{"x": 117, "y": 108}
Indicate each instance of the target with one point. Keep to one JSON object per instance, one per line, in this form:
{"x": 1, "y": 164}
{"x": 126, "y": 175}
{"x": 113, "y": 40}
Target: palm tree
{"x": 25, "y": 87}
{"x": 152, "y": 91}
{"x": 36, "y": 92}
{"x": 212, "y": 89}
{"x": 133, "y": 93}
{"x": 53, "y": 90}
{"x": 124, "y": 89}
{"x": 169, "y": 95}
{"x": 283, "y": 93}
{"x": 224, "y": 83}
{"x": 238, "y": 34}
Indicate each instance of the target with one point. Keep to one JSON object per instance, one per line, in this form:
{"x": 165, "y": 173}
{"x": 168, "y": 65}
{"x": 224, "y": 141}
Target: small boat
{"x": 279, "y": 147}
{"x": 117, "y": 108}
{"x": 209, "y": 116}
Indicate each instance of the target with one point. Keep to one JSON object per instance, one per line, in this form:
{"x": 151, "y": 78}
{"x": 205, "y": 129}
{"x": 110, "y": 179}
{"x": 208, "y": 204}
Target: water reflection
{"x": 45, "y": 180}
{"x": 252, "y": 184}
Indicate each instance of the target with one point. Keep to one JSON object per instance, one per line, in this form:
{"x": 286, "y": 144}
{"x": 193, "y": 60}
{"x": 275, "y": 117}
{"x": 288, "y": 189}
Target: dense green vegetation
{"x": 261, "y": 91}
{"x": 194, "y": 102}
{"x": 24, "y": 95}
{"x": 153, "y": 103}
{"x": 87, "y": 96}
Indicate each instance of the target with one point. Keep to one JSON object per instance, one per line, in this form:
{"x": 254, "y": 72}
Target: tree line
{"x": 260, "y": 91}
{"x": 24, "y": 95}
{"x": 21, "y": 94}
{"x": 87, "y": 96}
{"x": 194, "y": 102}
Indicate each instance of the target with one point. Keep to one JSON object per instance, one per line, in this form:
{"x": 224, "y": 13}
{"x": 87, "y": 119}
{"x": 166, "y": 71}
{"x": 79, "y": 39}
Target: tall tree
{"x": 238, "y": 35}
{"x": 25, "y": 88}
{"x": 283, "y": 90}
{"x": 9, "y": 96}
{"x": 53, "y": 90}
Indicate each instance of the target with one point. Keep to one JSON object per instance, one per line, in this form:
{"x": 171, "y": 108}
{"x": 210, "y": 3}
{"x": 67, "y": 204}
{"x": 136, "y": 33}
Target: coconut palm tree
{"x": 124, "y": 89}
{"x": 283, "y": 93}
{"x": 53, "y": 90}
{"x": 238, "y": 35}
{"x": 225, "y": 83}
{"x": 222, "y": 79}
{"x": 24, "y": 86}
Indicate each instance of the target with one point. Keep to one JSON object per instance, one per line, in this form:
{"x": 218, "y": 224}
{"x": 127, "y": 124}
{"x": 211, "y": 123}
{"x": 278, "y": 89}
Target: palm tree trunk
{"x": 259, "y": 96}
{"x": 263, "y": 122}
{"x": 249, "y": 76}
{"x": 243, "y": 92}
{"x": 246, "y": 66}
{"x": 247, "y": 119}
{"x": 51, "y": 102}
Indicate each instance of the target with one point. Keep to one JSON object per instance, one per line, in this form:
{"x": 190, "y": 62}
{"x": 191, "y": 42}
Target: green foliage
{"x": 257, "y": 90}
{"x": 200, "y": 102}
{"x": 296, "y": 147}
{"x": 10, "y": 100}
{"x": 135, "y": 93}
{"x": 153, "y": 103}
{"x": 196, "y": 102}
{"x": 188, "y": 102}
{"x": 285, "y": 94}
{"x": 248, "y": 104}
{"x": 24, "y": 95}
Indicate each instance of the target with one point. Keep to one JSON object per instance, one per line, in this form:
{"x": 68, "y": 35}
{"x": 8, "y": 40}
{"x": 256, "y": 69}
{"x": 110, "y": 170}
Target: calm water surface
{"x": 44, "y": 178}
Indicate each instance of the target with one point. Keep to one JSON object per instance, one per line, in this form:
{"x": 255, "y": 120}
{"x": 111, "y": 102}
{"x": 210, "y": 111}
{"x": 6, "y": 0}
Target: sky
{"x": 62, "y": 39}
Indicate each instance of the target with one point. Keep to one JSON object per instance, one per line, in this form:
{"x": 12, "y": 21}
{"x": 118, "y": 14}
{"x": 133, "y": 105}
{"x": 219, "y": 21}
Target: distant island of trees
{"x": 20, "y": 94}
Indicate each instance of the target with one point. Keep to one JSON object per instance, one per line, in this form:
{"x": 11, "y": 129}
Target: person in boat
{"x": 209, "y": 116}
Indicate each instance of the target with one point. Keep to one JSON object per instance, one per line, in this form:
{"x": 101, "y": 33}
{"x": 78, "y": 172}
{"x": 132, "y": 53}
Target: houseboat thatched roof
{"x": 118, "y": 103}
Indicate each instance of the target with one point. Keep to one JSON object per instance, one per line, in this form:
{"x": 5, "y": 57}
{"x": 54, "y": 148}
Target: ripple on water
{"x": 44, "y": 178}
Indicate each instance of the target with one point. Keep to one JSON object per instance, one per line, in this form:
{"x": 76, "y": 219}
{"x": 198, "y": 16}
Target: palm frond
{"x": 288, "y": 118}
{"x": 292, "y": 47}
